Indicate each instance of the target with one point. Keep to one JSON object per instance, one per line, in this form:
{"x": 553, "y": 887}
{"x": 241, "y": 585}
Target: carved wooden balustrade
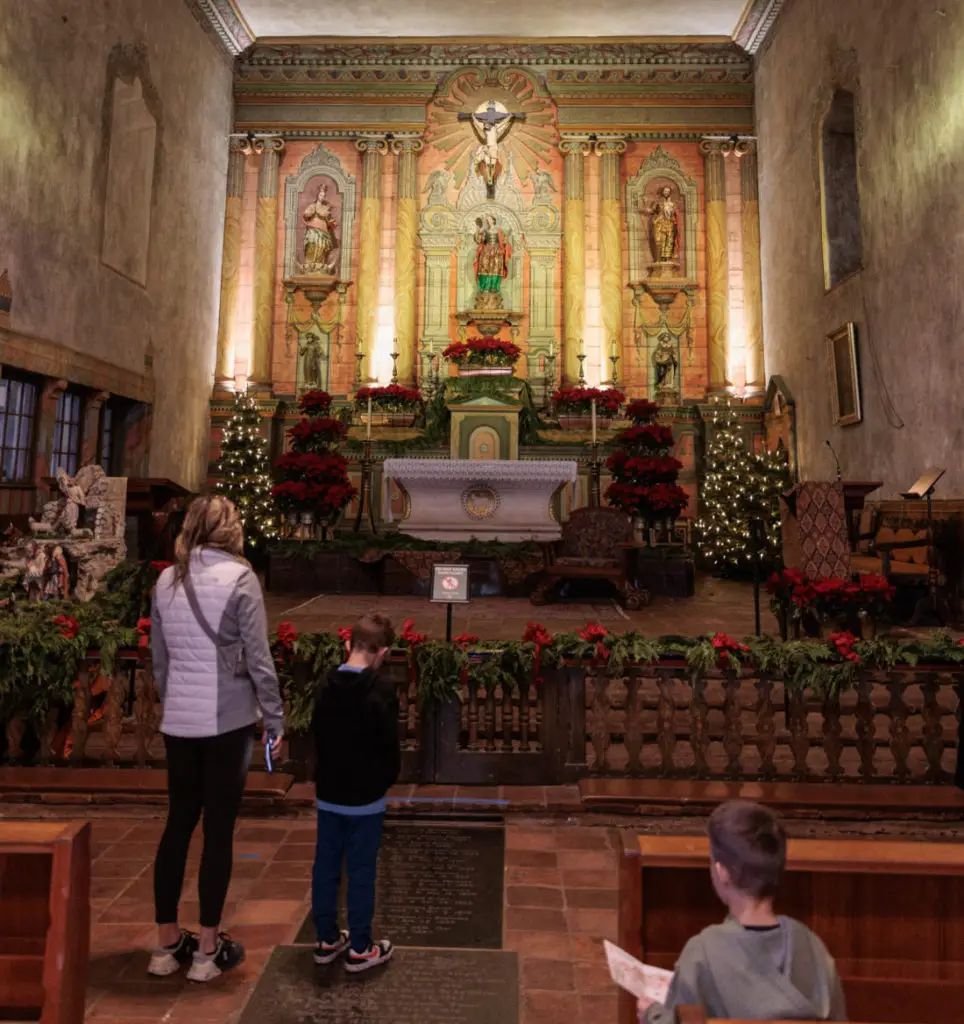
{"x": 655, "y": 721}
{"x": 898, "y": 725}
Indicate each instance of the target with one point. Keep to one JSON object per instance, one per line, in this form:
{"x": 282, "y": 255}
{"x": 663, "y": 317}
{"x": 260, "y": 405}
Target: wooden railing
{"x": 655, "y": 721}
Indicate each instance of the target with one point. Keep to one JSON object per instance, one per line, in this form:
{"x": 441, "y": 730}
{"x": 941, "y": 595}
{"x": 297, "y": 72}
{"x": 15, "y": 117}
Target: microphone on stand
{"x": 835, "y": 459}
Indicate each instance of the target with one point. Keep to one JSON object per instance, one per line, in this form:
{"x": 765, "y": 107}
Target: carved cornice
{"x": 225, "y": 23}
{"x": 758, "y": 19}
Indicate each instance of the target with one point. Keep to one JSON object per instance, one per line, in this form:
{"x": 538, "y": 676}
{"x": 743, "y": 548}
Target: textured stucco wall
{"x": 57, "y": 59}
{"x": 904, "y": 59}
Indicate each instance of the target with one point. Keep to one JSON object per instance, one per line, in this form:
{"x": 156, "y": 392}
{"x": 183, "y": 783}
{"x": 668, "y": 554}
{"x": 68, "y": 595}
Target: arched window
{"x": 842, "y": 245}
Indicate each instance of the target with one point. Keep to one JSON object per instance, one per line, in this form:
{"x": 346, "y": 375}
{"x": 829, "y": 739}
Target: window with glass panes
{"x": 107, "y": 438}
{"x": 18, "y": 414}
{"x": 66, "y": 453}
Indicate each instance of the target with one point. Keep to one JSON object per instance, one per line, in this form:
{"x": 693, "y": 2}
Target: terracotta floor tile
{"x": 268, "y": 912}
{"x": 517, "y": 839}
{"x": 248, "y": 869}
{"x": 109, "y": 888}
{"x": 595, "y": 899}
{"x": 563, "y": 796}
{"x": 260, "y": 834}
{"x": 135, "y": 1000}
{"x": 583, "y": 838}
{"x": 280, "y": 889}
{"x": 530, "y": 858}
{"x": 533, "y": 876}
{"x": 534, "y": 896}
{"x": 129, "y": 869}
{"x": 588, "y": 860}
{"x": 286, "y": 870}
{"x": 297, "y": 852}
{"x": 146, "y": 832}
{"x": 141, "y": 888}
{"x": 535, "y": 919}
{"x": 108, "y": 938}
{"x": 263, "y": 936}
{"x": 525, "y": 796}
{"x": 139, "y": 911}
{"x": 125, "y": 850}
{"x": 580, "y": 878}
{"x": 554, "y": 975}
{"x": 593, "y": 922}
{"x": 546, "y": 945}
{"x": 110, "y": 831}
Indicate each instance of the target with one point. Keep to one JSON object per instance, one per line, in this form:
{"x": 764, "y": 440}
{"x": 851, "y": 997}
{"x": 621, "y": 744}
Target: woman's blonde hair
{"x": 211, "y": 522}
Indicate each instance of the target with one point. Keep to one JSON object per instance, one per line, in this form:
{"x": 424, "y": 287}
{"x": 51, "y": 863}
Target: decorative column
{"x": 575, "y": 150}
{"x": 372, "y": 148}
{"x": 90, "y": 435}
{"x": 610, "y": 149}
{"x": 752, "y": 278}
{"x": 717, "y": 263}
{"x": 265, "y": 258}
{"x": 406, "y": 256}
{"x": 230, "y": 267}
{"x": 46, "y": 422}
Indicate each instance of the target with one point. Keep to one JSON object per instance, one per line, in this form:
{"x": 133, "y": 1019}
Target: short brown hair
{"x": 750, "y": 842}
{"x": 371, "y": 633}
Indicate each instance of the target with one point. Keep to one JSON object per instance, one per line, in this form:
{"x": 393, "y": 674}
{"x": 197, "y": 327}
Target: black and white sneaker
{"x": 208, "y": 966}
{"x": 377, "y": 953}
{"x": 326, "y": 952}
{"x": 167, "y": 960}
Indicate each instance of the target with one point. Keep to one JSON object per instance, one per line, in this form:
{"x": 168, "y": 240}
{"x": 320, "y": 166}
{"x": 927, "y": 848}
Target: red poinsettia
{"x": 456, "y": 352}
{"x": 394, "y": 396}
{"x": 725, "y": 646}
{"x": 69, "y": 627}
{"x": 844, "y": 644}
{"x": 323, "y": 430}
{"x": 286, "y": 635}
{"x": 464, "y": 639}
{"x": 314, "y": 403}
{"x": 483, "y": 352}
{"x": 579, "y": 400}
{"x": 537, "y": 634}
{"x": 647, "y": 435}
{"x": 592, "y": 632}
{"x": 344, "y": 634}
{"x": 641, "y": 410}
{"x": 410, "y": 635}
{"x": 144, "y": 629}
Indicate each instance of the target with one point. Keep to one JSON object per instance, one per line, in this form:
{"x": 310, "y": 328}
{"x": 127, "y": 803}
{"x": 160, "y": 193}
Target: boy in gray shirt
{"x": 756, "y": 965}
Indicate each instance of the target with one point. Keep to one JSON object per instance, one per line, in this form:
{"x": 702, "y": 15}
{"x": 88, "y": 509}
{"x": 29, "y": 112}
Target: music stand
{"x": 924, "y": 488}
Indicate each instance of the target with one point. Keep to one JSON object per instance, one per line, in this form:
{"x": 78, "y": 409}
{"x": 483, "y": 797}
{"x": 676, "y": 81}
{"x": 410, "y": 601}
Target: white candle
{"x": 369, "y": 434}
{"x": 594, "y": 421}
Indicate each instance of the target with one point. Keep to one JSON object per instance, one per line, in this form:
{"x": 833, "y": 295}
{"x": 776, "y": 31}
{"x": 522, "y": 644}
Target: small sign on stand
{"x": 450, "y": 585}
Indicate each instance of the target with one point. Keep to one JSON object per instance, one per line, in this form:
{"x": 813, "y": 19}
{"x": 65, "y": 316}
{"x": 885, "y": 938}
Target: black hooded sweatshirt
{"x": 355, "y": 727}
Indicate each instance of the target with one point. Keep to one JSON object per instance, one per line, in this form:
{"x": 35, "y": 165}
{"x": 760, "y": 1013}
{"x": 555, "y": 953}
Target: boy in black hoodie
{"x": 355, "y": 726}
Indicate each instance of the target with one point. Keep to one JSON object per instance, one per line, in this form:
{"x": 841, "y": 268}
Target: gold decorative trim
{"x": 480, "y": 501}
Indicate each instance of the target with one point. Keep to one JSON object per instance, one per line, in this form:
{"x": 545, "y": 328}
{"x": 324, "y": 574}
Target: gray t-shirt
{"x": 782, "y": 973}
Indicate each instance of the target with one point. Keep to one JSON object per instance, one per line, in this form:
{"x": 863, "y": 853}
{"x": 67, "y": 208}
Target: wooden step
{"x": 118, "y": 785}
{"x": 843, "y": 799}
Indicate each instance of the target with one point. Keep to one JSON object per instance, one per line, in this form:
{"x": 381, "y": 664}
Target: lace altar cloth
{"x": 463, "y": 498}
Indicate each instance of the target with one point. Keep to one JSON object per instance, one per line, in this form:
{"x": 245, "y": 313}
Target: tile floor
{"x": 560, "y": 902}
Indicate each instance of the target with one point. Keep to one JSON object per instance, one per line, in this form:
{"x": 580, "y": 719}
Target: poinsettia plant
{"x": 392, "y": 398}
{"x": 312, "y": 477}
{"x": 483, "y": 352}
{"x": 643, "y": 470}
{"x": 579, "y": 400}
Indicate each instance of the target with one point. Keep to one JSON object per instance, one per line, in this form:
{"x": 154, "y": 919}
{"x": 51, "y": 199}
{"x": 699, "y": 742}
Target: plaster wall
{"x": 58, "y": 60}
{"x": 902, "y": 58}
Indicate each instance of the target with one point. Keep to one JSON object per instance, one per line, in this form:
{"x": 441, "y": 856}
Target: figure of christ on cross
{"x": 491, "y": 123}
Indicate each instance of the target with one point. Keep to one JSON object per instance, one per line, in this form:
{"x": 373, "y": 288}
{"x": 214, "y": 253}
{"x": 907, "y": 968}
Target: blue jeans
{"x": 354, "y": 839}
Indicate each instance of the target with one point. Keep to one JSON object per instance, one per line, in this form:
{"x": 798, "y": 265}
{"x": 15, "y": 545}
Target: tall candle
{"x": 369, "y": 434}
{"x": 594, "y": 421}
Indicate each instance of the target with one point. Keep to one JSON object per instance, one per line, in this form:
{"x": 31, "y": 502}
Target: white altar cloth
{"x": 458, "y": 499}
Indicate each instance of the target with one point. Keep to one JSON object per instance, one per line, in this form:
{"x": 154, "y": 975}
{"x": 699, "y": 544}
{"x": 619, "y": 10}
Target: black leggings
{"x": 205, "y": 774}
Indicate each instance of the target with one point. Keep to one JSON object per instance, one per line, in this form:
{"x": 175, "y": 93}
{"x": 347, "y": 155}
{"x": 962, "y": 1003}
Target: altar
{"x": 458, "y": 499}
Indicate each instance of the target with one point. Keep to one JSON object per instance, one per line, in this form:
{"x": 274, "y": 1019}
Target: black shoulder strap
{"x": 196, "y": 610}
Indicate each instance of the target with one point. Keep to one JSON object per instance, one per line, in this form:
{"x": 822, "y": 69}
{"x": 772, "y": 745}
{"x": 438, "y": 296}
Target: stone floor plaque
{"x": 419, "y": 986}
{"x": 439, "y": 885}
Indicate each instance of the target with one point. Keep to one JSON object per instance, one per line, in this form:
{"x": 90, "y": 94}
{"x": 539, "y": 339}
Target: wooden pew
{"x": 44, "y": 919}
{"x": 891, "y": 913}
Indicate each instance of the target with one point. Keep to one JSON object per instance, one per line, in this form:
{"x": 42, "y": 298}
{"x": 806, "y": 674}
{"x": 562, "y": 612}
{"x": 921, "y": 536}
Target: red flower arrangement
{"x": 725, "y": 646}
{"x": 313, "y": 477}
{"x": 409, "y": 635}
{"x": 464, "y": 639}
{"x": 642, "y": 410}
{"x": 483, "y": 352}
{"x": 345, "y": 633}
{"x": 286, "y": 635}
{"x": 647, "y": 435}
{"x": 537, "y": 634}
{"x": 843, "y": 643}
{"x": 592, "y": 632}
{"x": 144, "y": 631}
{"x": 393, "y": 398}
{"x": 69, "y": 627}
{"x": 579, "y": 400}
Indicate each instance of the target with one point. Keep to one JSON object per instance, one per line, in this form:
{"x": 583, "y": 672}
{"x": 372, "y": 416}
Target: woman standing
{"x": 212, "y": 668}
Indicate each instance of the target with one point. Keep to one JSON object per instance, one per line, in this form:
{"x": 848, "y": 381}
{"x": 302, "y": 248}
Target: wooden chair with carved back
{"x": 589, "y": 549}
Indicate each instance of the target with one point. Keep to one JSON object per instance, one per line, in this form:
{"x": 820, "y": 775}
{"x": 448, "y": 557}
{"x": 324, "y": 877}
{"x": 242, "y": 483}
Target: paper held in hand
{"x": 643, "y": 981}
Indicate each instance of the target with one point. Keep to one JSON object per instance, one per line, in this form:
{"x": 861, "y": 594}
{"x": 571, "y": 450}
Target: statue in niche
{"x": 664, "y": 230}
{"x": 319, "y": 234}
{"x": 666, "y": 366}
{"x": 491, "y": 122}
{"x": 311, "y": 355}
{"x": 492, "y": 254}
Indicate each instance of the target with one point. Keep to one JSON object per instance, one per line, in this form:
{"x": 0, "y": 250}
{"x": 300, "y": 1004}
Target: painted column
{"x": 610, "y": 149}
{"x": 717, "y": 263}
{"x": 230, "y": 268}
{"x": 372, "y": 149}
{"x": 406, "y": 256}
{"x": 265, "y": 259}
{"x": 574, "y": 150}
{"x": 90, "y": 434}
{"x": 752, "y": 277}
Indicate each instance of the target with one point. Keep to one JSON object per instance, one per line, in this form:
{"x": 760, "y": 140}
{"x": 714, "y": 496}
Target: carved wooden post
{"x": 832, "y": 731}
{"x": 866, "y": 741}
{"x": 635, "y": 710}
{"x": 899, "y": 733}
{"x": 799, "y": 733}
{"x": 78, "y": 722}
{"x": 48, "y": 734}
{"x": 933, "y": 729}
{"x": 114, "y": 715}
{"x": 765, "y": 726}
{"x": 699, "y": 728}
{"x": 16, "y": 726}
{"x": 732, "y": 723}
{"x": 145, "y": 725}
{"x": 665, "y": 721}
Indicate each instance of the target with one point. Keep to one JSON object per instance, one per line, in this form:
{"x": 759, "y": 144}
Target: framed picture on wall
{"x": 844, "y": 376}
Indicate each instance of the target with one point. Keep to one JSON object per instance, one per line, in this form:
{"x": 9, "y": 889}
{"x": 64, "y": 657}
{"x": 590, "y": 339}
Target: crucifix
{"x": 491, "y": 123}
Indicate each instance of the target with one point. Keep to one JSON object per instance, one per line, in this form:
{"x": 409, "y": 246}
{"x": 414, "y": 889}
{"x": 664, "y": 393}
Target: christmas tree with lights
{"x": 244, "y": 472}
{"x": 738, "y": 487}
